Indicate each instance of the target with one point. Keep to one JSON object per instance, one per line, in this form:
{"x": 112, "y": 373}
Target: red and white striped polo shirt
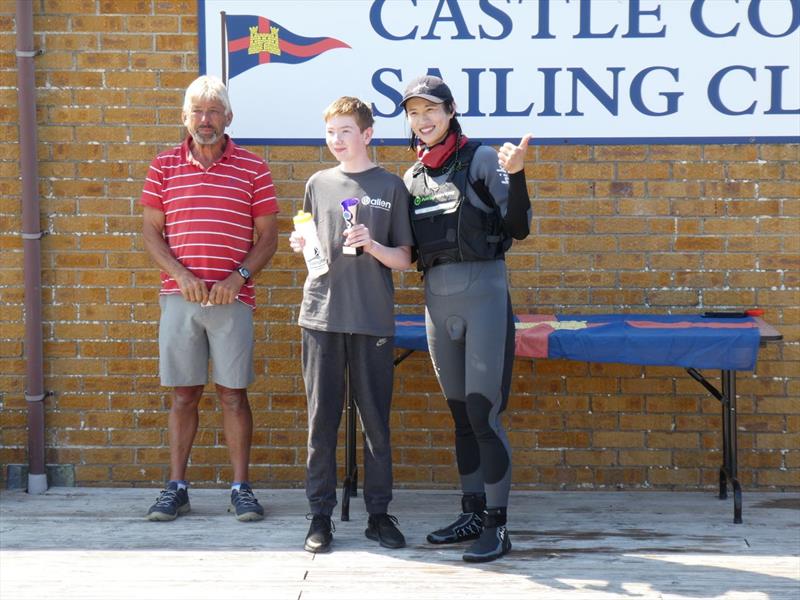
{"x": 209, "y": 212}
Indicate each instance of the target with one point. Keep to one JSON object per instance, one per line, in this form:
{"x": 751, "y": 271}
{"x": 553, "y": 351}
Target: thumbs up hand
{"x": 511, "y": 157}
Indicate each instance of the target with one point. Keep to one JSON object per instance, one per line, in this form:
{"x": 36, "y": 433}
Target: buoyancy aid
{"x": 447, "y": 227}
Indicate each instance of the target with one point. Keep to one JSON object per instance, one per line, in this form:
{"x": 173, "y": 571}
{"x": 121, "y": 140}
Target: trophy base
{"x": 350, "y": 251}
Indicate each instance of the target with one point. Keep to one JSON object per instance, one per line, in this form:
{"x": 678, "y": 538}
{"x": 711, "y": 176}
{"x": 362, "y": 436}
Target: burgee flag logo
{"x": 254, "y": 40}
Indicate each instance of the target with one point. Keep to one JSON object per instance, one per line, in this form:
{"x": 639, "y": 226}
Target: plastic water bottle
{"x": 312, "y": 250}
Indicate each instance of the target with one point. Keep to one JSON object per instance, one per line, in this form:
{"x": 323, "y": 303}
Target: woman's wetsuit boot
{"x": 467, "y": 526}
{"x": 493, "y": 542}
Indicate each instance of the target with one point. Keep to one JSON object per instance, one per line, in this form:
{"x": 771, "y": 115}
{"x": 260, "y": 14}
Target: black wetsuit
{"x": 470, "y": 325}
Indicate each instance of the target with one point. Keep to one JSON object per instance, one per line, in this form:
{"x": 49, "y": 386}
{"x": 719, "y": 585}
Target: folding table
{"x": 690, "y": 341}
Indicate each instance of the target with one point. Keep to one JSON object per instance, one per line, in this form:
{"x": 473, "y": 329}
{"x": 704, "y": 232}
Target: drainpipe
{"x": 31, "y": 239}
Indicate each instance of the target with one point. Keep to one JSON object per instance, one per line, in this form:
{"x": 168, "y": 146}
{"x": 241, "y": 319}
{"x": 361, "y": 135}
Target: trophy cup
{"x": 349, "y": 207}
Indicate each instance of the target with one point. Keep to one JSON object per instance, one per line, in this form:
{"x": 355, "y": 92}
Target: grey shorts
{"x": 189, "y": 334}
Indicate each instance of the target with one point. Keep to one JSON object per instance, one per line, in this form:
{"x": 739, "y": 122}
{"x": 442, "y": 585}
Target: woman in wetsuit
{"x": 468, "y": 203}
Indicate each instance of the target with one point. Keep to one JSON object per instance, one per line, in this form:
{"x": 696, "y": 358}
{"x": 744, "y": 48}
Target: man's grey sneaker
{"x": 244, "y": 504}
{"x": 383, "y": 529}
{"x": 320, "y": 534}
{"x": 494, "y": 541}
{"x": 467, "y": 526}
{"x": 171, "y": 502}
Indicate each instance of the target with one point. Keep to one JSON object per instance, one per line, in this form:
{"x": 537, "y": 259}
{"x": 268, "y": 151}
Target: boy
{"x": 347, "y": 319}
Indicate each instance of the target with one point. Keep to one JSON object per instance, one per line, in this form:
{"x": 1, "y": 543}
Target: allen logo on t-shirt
{"x": 377, "y": 203}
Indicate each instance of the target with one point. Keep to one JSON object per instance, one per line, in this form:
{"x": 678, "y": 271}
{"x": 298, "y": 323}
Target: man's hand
{"x": 225, "y": 291}
{"x": 511, "y": 157}
{"x": 192, "y": 288}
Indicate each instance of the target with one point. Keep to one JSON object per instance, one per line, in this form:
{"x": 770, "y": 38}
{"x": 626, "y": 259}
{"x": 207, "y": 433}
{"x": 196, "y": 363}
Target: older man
{"x": 210, "y": 225}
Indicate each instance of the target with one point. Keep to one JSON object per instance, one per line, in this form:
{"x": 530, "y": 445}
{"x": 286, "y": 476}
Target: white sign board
{"x": 579, "y": 71}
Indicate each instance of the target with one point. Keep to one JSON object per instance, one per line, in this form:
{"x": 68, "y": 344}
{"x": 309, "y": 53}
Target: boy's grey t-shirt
{"x": 356, "y": 295}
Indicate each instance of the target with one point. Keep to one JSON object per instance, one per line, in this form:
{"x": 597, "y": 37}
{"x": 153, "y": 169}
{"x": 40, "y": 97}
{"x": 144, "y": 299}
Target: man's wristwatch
{"x": 244, "y": 272}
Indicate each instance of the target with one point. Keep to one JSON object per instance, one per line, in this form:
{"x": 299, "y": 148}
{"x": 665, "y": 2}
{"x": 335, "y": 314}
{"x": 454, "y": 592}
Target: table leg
{"x": 350, "y": 485}
{"x": 351, "y": 434}
{"x": 729, "y": 468}
{"x": 730, "y": 441}
{"x": 724, "y": 470}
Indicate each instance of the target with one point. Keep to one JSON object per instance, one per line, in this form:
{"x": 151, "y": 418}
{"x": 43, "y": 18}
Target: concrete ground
{"x": 87, "y": 543}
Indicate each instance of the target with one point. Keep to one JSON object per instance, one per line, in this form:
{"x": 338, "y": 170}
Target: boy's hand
{"x": 358, "y": 236}
{"x": 297, "y": 241}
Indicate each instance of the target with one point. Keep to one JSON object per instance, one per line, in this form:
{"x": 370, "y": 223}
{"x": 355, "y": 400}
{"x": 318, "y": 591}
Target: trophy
{"x": 349, "y": 207}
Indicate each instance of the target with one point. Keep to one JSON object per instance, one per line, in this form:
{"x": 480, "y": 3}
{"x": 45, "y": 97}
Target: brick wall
{"x": 616, "y": 228}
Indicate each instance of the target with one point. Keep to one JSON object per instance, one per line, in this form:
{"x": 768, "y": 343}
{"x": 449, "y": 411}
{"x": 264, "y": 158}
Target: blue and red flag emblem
{"x": 254, "y": 41}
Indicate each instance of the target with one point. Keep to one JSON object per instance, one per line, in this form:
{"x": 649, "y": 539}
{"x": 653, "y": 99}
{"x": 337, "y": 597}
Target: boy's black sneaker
{"x": 171, "y": 502}
{"x": 383, "y": 528}
{"x": 467, "y": 526}
{"x": 244, "y": 504}
{"x": 320, "y": 534}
